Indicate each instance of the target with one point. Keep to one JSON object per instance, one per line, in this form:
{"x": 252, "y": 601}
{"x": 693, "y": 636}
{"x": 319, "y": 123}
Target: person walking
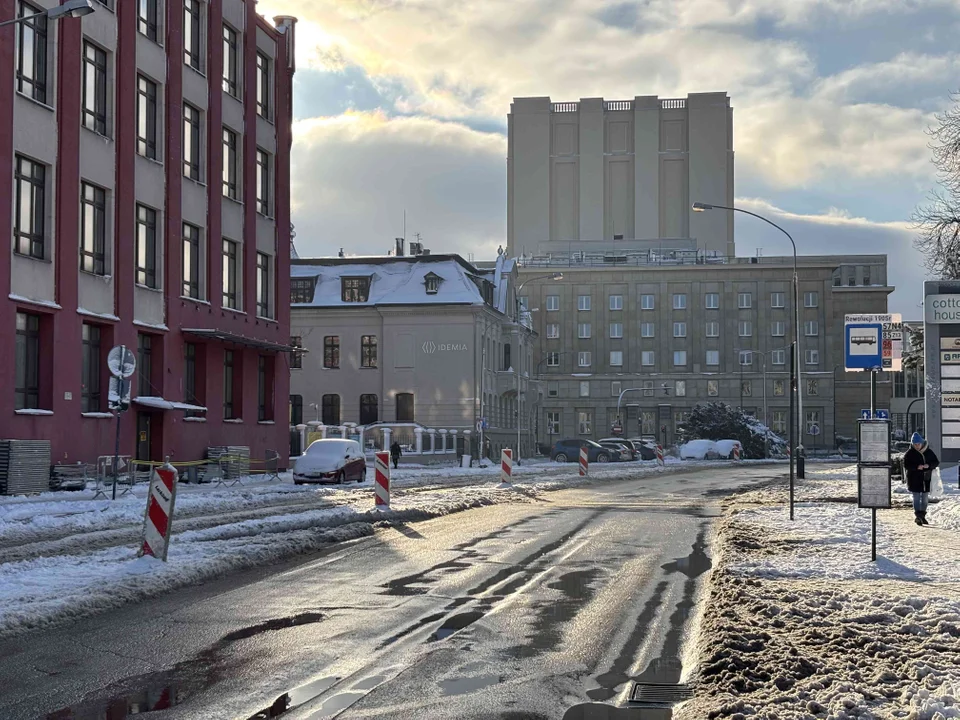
{"x": 919, "y": 462}
{"x": 395, "y": 453}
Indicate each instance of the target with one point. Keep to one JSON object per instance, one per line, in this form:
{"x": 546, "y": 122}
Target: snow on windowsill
{"x": 195, "y": 419}
{"x": 101, "y": 415}
{"x": 41, "y": 303}
{"x": 265, "y": 422}
{"x": 234, "y": 421}
{"x": 234, "y": 310}
{"x": 152, "y": 326}
{"x": 101, "y": 316}
{"x": 198, "y": 301}
{"x": 33, "y": 411}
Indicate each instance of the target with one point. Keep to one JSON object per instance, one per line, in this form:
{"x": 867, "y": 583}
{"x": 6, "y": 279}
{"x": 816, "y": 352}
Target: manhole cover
{"x": 660, "y": 693}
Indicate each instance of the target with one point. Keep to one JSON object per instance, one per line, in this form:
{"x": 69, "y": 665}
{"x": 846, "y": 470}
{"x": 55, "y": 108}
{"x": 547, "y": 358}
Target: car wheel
{"x": 560, "y": 457}
{"x": 603, "y": 457}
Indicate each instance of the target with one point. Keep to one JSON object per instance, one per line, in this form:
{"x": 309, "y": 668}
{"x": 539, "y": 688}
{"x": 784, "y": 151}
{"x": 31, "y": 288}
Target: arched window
{"x": 330, "y": 410}
{"x": 369, "y": 411}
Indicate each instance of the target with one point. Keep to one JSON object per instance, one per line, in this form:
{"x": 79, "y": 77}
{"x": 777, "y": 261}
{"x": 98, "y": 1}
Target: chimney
{"x": 399, "y": 242}
{"x": 286, "y": 25}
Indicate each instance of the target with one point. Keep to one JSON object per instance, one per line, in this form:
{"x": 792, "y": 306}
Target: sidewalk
{"x": 800, "y": 623}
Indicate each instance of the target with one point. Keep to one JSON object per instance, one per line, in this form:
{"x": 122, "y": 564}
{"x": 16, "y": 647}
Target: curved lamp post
{"x": 71, "y": 8}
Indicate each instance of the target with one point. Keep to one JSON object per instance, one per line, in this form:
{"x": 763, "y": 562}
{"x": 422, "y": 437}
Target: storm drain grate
{"x": 660, "y": 693}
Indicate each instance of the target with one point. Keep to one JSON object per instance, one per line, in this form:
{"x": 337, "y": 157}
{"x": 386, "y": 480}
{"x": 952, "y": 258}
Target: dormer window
{"x": 355, "y": 289}
{"x": 432, "y": 282}
{"x": 301, "y": 289}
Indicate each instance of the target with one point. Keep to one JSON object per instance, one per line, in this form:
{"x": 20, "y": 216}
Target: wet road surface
{"x": 509, "y": 611}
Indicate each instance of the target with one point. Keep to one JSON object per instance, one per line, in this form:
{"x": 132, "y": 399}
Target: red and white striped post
{"x": 736, "y": 452}
{"x": 584, "y": 462}
{"x": 506, "y": 466}
{"x": 660, "y": 462}
{"x": 381, "y": 483}
{"x": 158, "y": 518}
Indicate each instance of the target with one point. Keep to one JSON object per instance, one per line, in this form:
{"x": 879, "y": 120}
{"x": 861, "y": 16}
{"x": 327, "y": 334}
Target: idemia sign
{"x": 158, "y": 519}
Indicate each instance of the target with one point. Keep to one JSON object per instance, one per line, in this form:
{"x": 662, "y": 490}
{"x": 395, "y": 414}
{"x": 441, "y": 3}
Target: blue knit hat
{"x": 917, "y": 438}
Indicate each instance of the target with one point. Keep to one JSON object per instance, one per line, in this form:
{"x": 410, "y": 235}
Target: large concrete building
{"x": 147, "y": 149}
{"x": 619, "y": 175}
{"x": 427, "y": 340}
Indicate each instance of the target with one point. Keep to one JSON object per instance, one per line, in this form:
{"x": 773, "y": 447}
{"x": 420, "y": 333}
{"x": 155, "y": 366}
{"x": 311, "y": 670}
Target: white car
{"x": 331, "y": 460}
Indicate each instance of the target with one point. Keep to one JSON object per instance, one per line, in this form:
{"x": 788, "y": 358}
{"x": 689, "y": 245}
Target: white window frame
{"x": 583, "y": 331}
{"x": 553, "y": 331}
{"x": 811, "y": 357}
{"x": 778, "y": 357}
{"x": 679, "y": 301}
{"x": 778, "y": 300}
{"x": 713, "y": 326}
{"x": 616, "y": 330}
{"x": 746, "y": 358}
{"x": 652, "y": 327}
{"x": 679, "y": 329}
{"x": 745, "y": 300}
{"x": 553, "y": 303}
{"x": 715, "y": 298}
{"x": 745, "y": 328}
{"x": 778, "y": 328}
{"x": 713, "y": 354}
{"x": 584, "y": 422}
{"x": 811, "y": 299}
{"x": 553, "y": 359}
{"x": 616, "y": 302}
{"x": 616, "y": 358}
{"x": 583, "y": 358}
{"x": 583, "y": 303}
{"x": 648, "y": 355}
{"x": 648, "y": 302}
{"x": 811, "y": 328}
{"x": 679, "y": 358}
{"x": 553, "y": 422}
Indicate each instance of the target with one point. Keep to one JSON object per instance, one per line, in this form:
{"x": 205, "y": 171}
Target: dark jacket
{"x": 395, "y": 450}
{"x": 919, "y": 480}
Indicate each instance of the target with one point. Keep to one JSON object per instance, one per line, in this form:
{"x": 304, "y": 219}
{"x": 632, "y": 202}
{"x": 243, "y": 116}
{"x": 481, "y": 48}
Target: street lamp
{"x": 519, "y": 362}
{"x": 71, "y": 8}
{"x": 796, "y": 374}
{"x": 316, "y": 406}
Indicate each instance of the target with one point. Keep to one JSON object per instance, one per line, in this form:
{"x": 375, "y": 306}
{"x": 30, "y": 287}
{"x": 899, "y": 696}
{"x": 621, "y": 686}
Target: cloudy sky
{"x": 401, "y": 104}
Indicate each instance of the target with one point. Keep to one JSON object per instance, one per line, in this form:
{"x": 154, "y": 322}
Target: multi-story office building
{"x": 619, "y": 175}
{"x": 683, "y": 333}
{"x": 147, "y": 147}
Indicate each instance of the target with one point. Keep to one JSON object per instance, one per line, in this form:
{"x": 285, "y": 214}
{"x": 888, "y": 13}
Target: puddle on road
{"x": 455, "y": 623}
{"x": 296, "y": 698}
{"x": 464, "y": 685}
{"x": 166, "y": 689}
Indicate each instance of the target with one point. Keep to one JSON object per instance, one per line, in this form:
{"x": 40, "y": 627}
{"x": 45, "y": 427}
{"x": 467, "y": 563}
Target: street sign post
{"x": 873, "y": 342}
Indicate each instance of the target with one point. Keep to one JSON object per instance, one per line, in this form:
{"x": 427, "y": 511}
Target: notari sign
{"x": 940, "y": 309}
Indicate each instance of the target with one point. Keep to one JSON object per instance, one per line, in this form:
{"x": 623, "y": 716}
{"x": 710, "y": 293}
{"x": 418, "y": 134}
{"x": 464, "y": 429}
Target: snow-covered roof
{"x": 393, "y": 280}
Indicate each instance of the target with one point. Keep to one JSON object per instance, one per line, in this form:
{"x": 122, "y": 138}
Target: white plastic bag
{"x": 936, "y": 486}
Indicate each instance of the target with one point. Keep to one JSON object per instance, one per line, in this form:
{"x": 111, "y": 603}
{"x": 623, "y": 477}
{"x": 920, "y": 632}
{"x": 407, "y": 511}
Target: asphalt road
{"x": 516, "y": 611}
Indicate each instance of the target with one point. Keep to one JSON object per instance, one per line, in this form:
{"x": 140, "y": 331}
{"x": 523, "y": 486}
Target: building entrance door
{"x": 144, "y": 421}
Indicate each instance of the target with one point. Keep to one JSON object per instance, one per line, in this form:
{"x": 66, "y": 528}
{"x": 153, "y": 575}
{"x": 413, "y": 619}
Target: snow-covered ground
{"x": 801, "y": 623}
{"x": 64, "y": 555}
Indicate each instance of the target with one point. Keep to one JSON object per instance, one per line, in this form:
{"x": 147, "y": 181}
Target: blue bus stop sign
{"x": 863, "y": 349}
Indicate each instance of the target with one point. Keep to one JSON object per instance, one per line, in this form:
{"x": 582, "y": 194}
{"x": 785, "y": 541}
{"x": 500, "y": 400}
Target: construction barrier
{"x": 736, "y": 452}
{"x": 506, "y": 466}
{"x": 660, "y": 457}
{"x": 158, "y": 518}
{"x": 381, "y": 485}
{"x": 584, "y": 462}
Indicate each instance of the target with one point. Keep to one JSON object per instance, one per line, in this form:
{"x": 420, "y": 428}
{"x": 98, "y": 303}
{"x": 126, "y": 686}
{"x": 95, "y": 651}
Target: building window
{"x": 777, "y": 300}
{"x": 553, "y": 331}
{"x": 191, "y": 261}
{"x": 296, "y": 357}
{"x": 812, "y": 299}
{"x": 813, "y": 386}
{"x": 779, "y": 388}
{"x": 647, "y": 302}
{"x": 301, "y": 290}
{"x": 914, "y": 383}
{"x": 263, "y": 285}
{"x": 368, "y": 351}
{"x": 553, "y": 422}
{"x": 583, "y": 302}
{"x": 713, "y": 329}
{"x": 32, "y": 53}
{"x": 583, "y": 359}
{"x": 811, "y": 328}
{"x": 745, "y": 300}
{"x": 746, "y": 357}
{"x": 230, "y": 187}
{"x": 647, "y": 330}
{"x": 27, "y": 371}
{"x": 553, "y": 389}
{"x": 813, "y": 422}
{"x": 90, "y": 369}
{"x": 263, "y": 86}
{"x": 146, "y": 246}
{"x": 711, "y": 301}
{"x": 812, "y": 357}
{"x": 584, "y": 388}
{"x": 553, "y": 359}
{"x": 866, "y": 277}
{"x": 330, "y": 410}
{"x": 778, "y": 328}
{"x": 296, "y": 409}
{"x": 191, "y": 142}
{"x": 680, "y": 388}
{"x": 679, "y": 329}
{"x": 679, "y": 358}
{"x": 94, "y": 88}
{"x": 331, "y": 352}
{"x": 746, "y": 388}
{"x": 679, "y": 301}
{"x": 144, "y": 365}
{"x": 713, "y": 357}
{"x": 837, "y": 278}
{"x": 616, "y": 358}
{"x": 146, "y": 117}
{"x": 148, "y": 14}
{"x": 93, "y": 229}
{"x": 583, "y": 330}
{"x": 746, "y": 328}
{"x": 899, "y": 385}
{"x": 192, "y": 35}
{"x": 616, "y": 330}
{"x": 616, "y": 387}
{"x": 506, "y": 357}
{"x": 231, "y": 72}
{"x": 264, "y": 376}
{"x": 369, "y": 409}
{"x": 778, "y": 357}
{"x": 584, "y": 422}
{"x": 354, "y": 289}
{"x": 647, "y": 358}
{"x": 230, "y": 295}
{"x": 190, "y": 377}
{"x": 713, "y": 388}
{"x": 405, "y": 407}
{"x": 431, "y": 283}
{"x": 228, "y": 385}
{"x": 30, "y": 207}
{"x": 779, "y": 424}
{"x": 553, "y": 302}
{"x": 616, "y": 302}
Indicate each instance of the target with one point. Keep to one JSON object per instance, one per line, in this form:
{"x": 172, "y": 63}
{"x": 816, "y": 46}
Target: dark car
{"x": 620, "y": 449}
{"x": 569, "y": 451}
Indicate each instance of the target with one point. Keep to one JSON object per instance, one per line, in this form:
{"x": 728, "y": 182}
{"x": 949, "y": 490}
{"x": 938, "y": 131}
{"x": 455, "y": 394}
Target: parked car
{"x": 331, "y": 460}
{"x": 569, "y": 451}
{"x": 621, "y": 450}
{"x": 646, "y": 448}
{"x": 896, "y": 458}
